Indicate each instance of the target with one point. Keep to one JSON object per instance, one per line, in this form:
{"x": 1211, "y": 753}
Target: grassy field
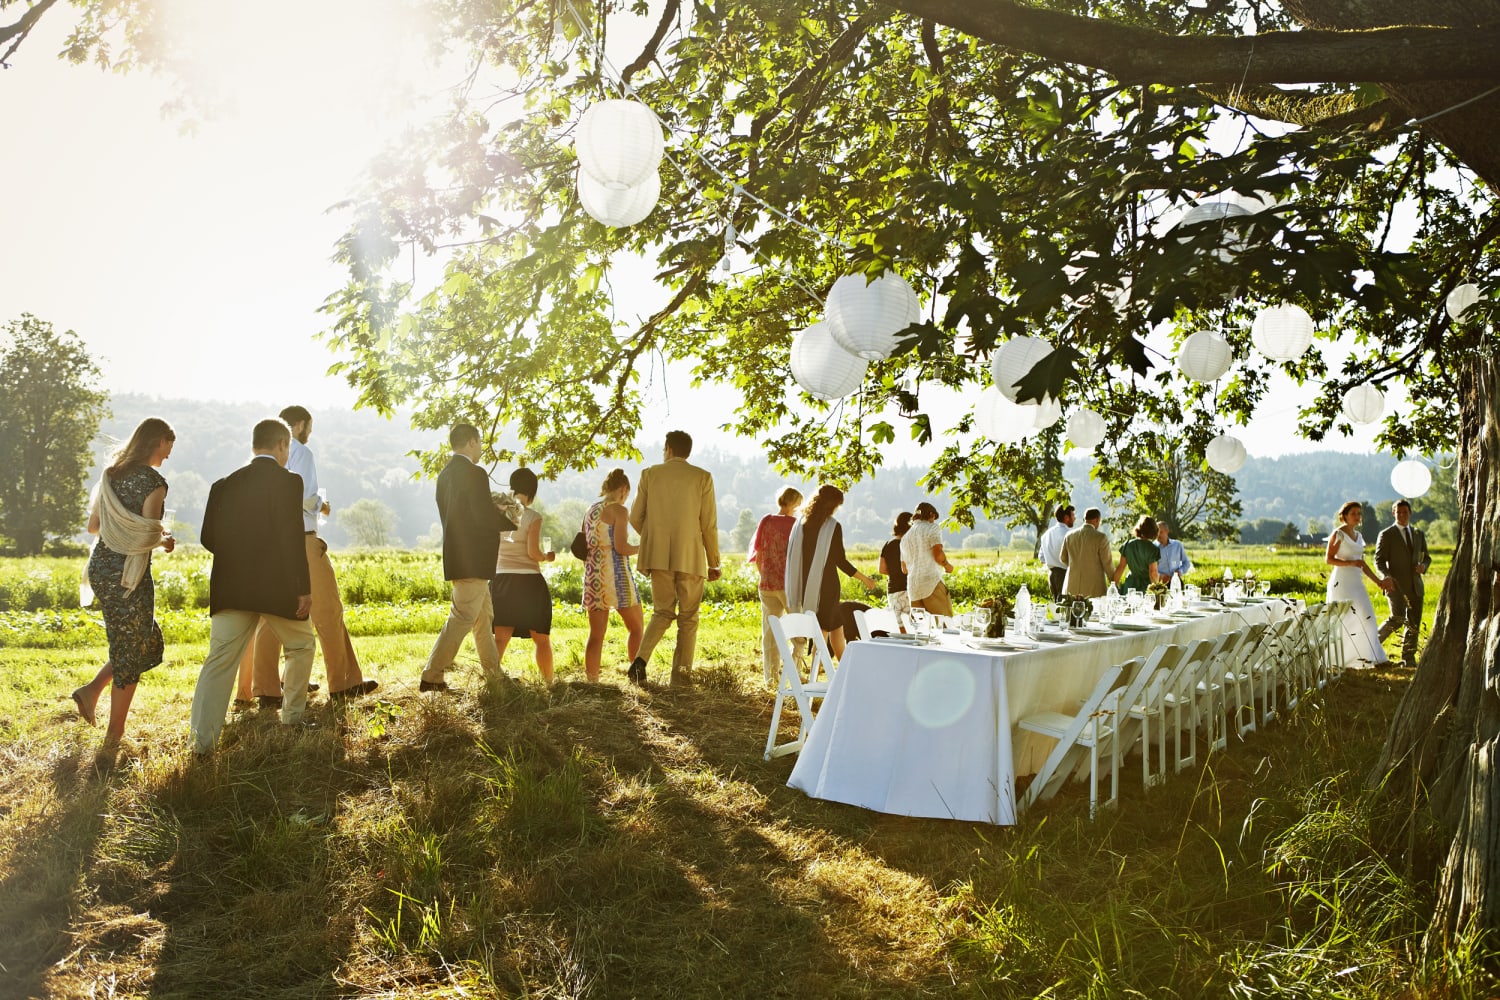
{"x": 602, "y": 841}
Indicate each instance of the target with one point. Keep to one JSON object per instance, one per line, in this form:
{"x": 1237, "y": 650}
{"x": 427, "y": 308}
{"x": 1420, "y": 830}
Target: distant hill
{"x": 362, "y": 455}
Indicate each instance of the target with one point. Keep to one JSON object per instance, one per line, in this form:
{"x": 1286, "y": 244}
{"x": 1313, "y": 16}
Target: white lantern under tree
{"x": 1086, "y": 429}
{"x": 1282, "y": 332}
{"x": 1411, "y": 478}
{"x": 619, "y": 143}
{"x": 1225, "y": 454}
{"x": 1461, "y": 300}
{"x": 1204, "y": 356}
{"x": 1014, "y": 360}
{"x": 618, "y": 207}
{"x": 1001, "y": 420}
{"x": 1363, "y": 403}
{"x": 822, "y": 367}
{"x": 1230, "y": 242}
{"x": 866, "y": 316}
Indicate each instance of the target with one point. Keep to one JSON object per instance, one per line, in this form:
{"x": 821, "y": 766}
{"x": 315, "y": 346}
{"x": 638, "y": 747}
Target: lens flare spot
{"x": 940, "y": 694}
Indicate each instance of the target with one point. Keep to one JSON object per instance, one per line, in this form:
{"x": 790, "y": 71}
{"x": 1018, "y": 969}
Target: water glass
{"x": 168, "y": 518}
{"x": 919, "y": 622}
{"x": 322, "y": 501}
{"x": 546, "y": 544}
{"x": 979, "y": 622}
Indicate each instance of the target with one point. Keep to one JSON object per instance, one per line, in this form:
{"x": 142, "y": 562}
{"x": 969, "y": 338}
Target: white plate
{"x": 1090, "y": 630}
{"x": 1002, "y": 645}
{"x": 903, "y": 639}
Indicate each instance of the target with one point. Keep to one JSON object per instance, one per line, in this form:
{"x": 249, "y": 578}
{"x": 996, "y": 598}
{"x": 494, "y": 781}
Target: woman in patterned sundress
{"x": 608, "y": 582}
{"x": 131, "y": 519}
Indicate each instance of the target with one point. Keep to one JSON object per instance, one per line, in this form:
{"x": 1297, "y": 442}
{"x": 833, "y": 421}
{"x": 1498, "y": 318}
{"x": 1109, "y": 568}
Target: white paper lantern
{"x": 619, "y": 143}
{"x": 1048, "y": 412}
{"x": 1003, "y": 421}
{"x": 1086, "y": 429}
{"x": 1231, "y": 242}
{"x": 1282, "y": 332}
{"x": 1204, "y": 356}
{"x": 1411, "y": 479}
{"x": 866, "y": 316}
{"x": 1014, "y": 360}
{"x": 822, "y": 367}
{"x": 1364, "y": 403}
{"x": 1225, "y": 454}
{"x": 1461, "y": 300}
{"x": 618, "y": 208}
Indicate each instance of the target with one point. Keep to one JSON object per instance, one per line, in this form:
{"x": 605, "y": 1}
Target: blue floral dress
{"x": 135, "y": 643}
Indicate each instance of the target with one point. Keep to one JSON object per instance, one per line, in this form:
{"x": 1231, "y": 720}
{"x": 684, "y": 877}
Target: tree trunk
{"x": 1441, "y": 762}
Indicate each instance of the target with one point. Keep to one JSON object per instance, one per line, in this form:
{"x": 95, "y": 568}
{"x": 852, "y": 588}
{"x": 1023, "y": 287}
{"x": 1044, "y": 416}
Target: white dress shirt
{"x": 299, "y": 459}
{"x": 1050, "y": 550}
{"x": 923, "y": 574}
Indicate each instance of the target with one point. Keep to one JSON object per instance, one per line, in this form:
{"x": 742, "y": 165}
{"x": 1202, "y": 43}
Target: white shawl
{"x": 125, "y": 532}
{"x": 796, "y": 597}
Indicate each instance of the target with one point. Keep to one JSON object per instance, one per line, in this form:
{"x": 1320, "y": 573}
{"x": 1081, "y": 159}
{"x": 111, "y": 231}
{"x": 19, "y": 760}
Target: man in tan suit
{"x": 1085, "y": 551}
{"x": 678, "y": 521}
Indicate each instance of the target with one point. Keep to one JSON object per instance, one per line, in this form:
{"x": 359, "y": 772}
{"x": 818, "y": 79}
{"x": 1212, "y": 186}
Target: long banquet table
{"x": 931, "y": 730}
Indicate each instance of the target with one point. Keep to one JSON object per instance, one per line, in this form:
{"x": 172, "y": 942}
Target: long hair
{"x": 903, "y": 524}
{"x": 820, "y": 508}
{"x": 148, "y": 436}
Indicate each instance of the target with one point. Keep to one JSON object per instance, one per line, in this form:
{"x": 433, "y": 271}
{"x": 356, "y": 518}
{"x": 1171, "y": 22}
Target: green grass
{"x": 596, "y": 840}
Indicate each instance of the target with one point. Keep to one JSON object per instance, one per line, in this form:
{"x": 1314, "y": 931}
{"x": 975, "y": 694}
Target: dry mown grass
{"x": 599, "y": 841}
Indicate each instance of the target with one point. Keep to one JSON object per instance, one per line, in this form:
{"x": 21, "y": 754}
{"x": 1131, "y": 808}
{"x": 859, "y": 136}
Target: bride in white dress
{"x": 1346, "y": 554}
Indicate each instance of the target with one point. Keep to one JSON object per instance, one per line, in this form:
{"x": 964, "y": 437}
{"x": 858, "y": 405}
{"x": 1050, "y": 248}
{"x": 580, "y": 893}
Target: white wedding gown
{"x": 1347, "y": 583}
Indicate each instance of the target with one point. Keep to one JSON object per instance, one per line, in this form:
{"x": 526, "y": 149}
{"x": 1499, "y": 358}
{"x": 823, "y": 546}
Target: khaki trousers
{"x": 773, "y": 605}
{"x": 674, "y": 597}
{"x": 937, "y": 602}
{"x": 471, "y": 612}
{"x": 340, "y": 663}
{"x": 229, "y": 633}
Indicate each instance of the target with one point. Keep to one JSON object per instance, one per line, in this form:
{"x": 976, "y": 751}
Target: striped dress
{"x": 607, "y": 579}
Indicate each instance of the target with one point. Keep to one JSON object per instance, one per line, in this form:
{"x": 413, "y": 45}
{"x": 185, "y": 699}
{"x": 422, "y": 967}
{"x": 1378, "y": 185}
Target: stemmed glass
{"x": 1265, "y": 588}
{"x": 168, "y": 518}
{"x": 1080, "y": 613}
{"x": 919, "y": 622}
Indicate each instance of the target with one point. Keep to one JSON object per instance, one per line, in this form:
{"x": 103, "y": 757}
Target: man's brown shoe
{"x": 357, "y": 691}
{"x": 436, "y": 686}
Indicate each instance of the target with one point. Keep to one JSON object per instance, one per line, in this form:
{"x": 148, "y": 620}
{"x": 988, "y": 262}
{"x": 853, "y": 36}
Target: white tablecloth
{"x": 930, "y": 730}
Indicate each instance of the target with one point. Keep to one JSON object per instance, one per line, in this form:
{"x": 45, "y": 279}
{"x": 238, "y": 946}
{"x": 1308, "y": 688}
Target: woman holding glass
{"x": 608, "y": 583}
{"x": 518, "y": 590}
{"x": 126, "y": 513}
{"x": 1140, "y": 555}
{"x": 922, "y": 552}
{"x": 1346, "y": 582}
{"x": 814, "y": 557}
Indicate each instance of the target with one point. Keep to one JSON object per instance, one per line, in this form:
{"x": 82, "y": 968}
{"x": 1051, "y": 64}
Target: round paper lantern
{"x": 1230, "y": 242}
{"x": 822, "y": 367}
{"x": 1014, "y": 360}
{"x": 1282, "y": 332}
{"x": 1204, "y": 356}
{"x": 1364, "y": 403}
{"x": 865, "y": 316}
{"x": 1461, "y": 299}
{"x": 1225, "y": 454}
{"x": 1048, "y": 412}
{"x": 1001, "y": 420}
{"x": 619, "y": 143}
{"x": 1411, "y": 478}
{"x": 622, "y": 207}
{"x": 1086, "y": 429}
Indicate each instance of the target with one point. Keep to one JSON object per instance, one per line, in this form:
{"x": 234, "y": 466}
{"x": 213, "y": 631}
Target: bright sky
{"x": 193, "y": 265}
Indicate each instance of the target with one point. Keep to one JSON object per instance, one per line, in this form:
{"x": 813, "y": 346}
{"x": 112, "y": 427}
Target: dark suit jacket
{"x": 253, "y": 526}
{"x": 471, "y": 521}
{"x": 1395, "y": 560}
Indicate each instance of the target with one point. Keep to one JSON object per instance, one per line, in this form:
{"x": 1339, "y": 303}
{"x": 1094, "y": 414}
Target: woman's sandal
{"x": 86, "y": 715}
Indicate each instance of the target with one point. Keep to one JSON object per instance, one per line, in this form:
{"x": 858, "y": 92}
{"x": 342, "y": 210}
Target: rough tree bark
{"x": 1443, "y": 750}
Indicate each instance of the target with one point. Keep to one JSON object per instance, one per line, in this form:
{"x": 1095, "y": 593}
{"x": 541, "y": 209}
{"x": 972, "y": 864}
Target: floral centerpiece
{"x": 998, "y": 608}
{"x": 1159, "y": 591}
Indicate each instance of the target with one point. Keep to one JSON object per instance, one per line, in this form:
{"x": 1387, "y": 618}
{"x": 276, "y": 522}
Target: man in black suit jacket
{"x": 253, "y": 526}
{"x": 1401, "y": 556}
{"x": 471, "y": 543}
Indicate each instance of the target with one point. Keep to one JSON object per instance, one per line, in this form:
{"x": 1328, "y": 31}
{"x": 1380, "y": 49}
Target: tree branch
{"x": 21, "y": 29}
{"x": 668, "y": 14}
{"x": 1132, "y": 54}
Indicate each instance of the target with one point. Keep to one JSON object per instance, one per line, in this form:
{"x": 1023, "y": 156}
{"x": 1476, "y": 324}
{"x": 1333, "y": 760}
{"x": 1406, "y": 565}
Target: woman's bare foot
{"x": 85, "y": 712}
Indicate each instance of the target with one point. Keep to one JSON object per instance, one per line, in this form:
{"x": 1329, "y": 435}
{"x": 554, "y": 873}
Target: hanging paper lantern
{"x": 1225, "y": 454}
{"x": 1086, "y": 429}
{"x": 1364, "y": 403}
{"x": 866, "y": 316}
{"x": 1283, "y": 332}
{"x": 619, "y": 143}
{"x": 823, "y": 368}
{"x": 1014, "y": 361}
{"x": 1003, "y": 421}
{"x": 1411, "y": 478}
{"x": 618, "y": 208}
{"x": 1461, "y": 300}
{"x": 1204, "y": 356}
{"x": 1048, "y": 412}
{"x": 1231, "y": 242}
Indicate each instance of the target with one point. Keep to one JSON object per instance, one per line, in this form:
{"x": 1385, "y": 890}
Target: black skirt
{"x": 522, "y": 602}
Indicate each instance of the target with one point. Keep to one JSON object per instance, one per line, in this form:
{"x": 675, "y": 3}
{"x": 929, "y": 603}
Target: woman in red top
{"x": 768, "y": 553}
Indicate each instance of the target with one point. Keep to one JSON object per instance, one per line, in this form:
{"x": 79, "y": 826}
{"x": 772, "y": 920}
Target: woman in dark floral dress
{"x": 130, "y": 518}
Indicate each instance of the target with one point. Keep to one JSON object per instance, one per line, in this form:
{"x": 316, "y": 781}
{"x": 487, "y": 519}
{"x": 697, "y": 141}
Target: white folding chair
{"x": 1265, "y": 666}
{"x": 1239, "y": 680}
{"x": 1145, "y": 707}
{"x": 784, "y": 629}
{"x": 1180, "y": 698}
{"x": 1091, "y": 728}
{"x": 876, "y": 620}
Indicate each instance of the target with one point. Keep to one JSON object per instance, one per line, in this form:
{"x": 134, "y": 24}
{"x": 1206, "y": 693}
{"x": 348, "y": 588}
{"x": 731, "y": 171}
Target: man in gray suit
{"x": 1401, "y": 556}
{"x": 1085, "y": 551}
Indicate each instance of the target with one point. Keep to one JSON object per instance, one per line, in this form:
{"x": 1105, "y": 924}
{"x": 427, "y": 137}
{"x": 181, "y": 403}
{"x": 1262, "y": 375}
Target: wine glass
{"x": 919, "y": 621}
{"x": 1265, "y": 588}
{"x": 322, "y": 502}
{"x": 1080, "y": 613}
{"x": 546, "y": 544}
{"x": 168, "y": 518}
